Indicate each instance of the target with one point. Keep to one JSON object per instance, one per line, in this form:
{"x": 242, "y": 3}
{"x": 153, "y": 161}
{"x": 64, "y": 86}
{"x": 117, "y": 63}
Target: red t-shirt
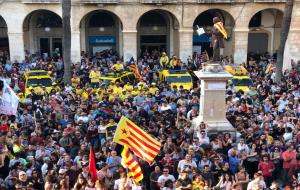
{"x": 265, "y": 167}
{"x": 291, "y": 155}
{"x": 4, "y": 128}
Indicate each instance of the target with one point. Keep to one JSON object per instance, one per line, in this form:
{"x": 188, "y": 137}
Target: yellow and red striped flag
{"x": 129, "y": 162}
{"x": 220, "y": 27}
{"x": 133, "y": 67}
{"x": 137, "y": 140}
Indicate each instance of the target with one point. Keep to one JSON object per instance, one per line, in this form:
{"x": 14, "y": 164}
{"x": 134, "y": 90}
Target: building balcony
{"x": 159, "y": 1}
{"x": 240, "y": 1}
{"x": 41, "y": 1}
{"x": 269, "y": 1}
{"x": 97, "y": 1}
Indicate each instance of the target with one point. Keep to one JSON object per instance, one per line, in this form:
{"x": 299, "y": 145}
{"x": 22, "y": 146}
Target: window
{"x": 153, "y": 19}
{"x": 48, "y": 20}
{"x": 171, "y": 79}
{"x": 39, "y": 82}
{"x": 101, "y": 19}
{"x": 242, "y": 82}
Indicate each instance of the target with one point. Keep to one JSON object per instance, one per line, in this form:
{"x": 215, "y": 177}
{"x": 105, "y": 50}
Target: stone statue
{"x": 217, "y": 39}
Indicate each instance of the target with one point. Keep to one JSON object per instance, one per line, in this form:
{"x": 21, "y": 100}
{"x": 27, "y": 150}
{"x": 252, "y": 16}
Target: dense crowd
{"x": 46, "y": 146}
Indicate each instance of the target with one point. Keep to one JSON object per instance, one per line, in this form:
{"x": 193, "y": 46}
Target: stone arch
{"x": 78, "y": 14}
{"x": 157, "y": 29}
{"x": 264, "y": 22}
{"x": 42, "y": 31}
{"x": 4, "y": 44}
{"x": 112, "y": 32}
{"x": 204, "y": 20}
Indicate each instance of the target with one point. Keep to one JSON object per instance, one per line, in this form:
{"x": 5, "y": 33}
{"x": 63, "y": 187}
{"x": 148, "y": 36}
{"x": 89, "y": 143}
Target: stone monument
{"x": 213, "y": 86}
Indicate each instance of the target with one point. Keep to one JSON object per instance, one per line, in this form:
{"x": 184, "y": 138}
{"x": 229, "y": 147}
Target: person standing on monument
{"x": 217, "y": 39}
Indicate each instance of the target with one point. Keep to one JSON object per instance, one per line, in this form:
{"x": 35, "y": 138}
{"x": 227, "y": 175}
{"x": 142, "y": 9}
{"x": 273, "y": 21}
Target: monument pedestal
{"x": 212, "y": 99}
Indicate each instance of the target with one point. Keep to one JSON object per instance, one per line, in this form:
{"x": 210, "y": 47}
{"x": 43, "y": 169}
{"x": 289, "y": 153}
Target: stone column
{"x": 185, "y": 43}
{"x": 75, "y": 46}
{"x": 292, "y": 47}
{"x": 129, "y": 44}
{"x": 16, "y": 46}
{"x": 240, "y": 45}
{"x": 212, "y": 99}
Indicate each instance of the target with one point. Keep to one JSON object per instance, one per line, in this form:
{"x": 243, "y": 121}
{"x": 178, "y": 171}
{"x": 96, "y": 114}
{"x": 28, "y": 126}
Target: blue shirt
{"x": 111, "y": 161}
{"x": 233, "y": 164}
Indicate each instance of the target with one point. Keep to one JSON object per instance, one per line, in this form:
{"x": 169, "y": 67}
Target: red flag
{"x": 92, "y": 165}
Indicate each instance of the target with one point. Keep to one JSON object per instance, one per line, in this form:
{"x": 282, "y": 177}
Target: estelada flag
{"x": 220, "y": 27}
{"x": 137, "y": 140}
{"x": 129, "y": 162}
{"x": 92, "y": 165}
{"x": 133, "y": 67}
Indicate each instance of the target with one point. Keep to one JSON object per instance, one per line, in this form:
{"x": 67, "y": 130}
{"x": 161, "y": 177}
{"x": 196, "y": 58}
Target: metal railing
{"x": 98, "y": 1}
{"x": 224, "y": 1}
{"x": 41, "y": 1}
{"x": 159, "y": 1}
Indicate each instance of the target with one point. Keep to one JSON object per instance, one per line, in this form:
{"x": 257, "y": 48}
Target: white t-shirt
{"x": 120, "y": 182}
{"x": 183, "y": 164}
{"x": 102, "y": 129}
{"x": 162, "y": 179}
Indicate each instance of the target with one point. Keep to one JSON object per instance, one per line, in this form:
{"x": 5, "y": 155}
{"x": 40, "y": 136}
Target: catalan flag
{"x": 205, "y": 56}
{"x": 129, "y": 162}
{"x": 133, "y": 67}
{"x": 220, "y": 27}
{"x": 137, "y": 140}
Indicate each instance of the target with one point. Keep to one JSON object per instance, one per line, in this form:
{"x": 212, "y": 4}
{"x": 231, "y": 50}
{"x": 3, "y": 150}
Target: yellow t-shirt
{"x": 78, "y": 91}
{"x": 118, "y": 90}
{"x": 118, "y": 66}
{"x": 152, "y": 90}
{"x": 94, "y": 76}
{"x": 85, "y": 95}
{"x": 128, "y": 87}
{"x": 75, "y": 81}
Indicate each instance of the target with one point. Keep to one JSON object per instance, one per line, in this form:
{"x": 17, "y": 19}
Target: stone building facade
{"x": 252, "y": 25}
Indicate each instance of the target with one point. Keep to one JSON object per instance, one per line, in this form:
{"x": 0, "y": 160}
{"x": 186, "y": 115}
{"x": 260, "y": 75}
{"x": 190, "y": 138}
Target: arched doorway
{"x": 157, "y": 31}
{"x": 205, "y": 20}
{"x": 43, "y": 33}
{"x": 264, "y": 32}
{"x": 4, "y": 47}
{"x": 101, "y": 30}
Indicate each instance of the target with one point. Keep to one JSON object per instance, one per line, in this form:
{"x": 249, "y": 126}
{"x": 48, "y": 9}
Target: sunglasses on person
{"x": 165, "y": 171}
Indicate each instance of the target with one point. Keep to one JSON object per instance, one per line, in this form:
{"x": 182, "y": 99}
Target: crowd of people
{"x": 46, "y": 145}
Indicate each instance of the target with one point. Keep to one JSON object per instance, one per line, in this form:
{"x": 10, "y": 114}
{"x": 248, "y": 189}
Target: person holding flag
{"x": 218, "y": 35}
{"x": 130, "y": 162}
{"x": 132, "y": 65}
{"x": 142, "y": 144}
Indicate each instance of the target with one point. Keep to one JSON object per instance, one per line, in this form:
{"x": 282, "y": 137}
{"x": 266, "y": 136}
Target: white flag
{"x": 200, "y": 31}
{"x": 9, "y": 101}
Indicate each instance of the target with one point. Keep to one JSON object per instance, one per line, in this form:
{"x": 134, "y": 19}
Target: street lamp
{"x": 155, "y": 28}
{"x": 47, "y": 29}
{"x": 101, "y": 29}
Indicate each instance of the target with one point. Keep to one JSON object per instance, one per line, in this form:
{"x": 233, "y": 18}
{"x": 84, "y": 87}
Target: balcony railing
{"x": 159, "y": 1}
{"x": 224, "y": 1}
{"x": 269, "y": 1}
{"x": 41, "y": 1}
{"x": 98, "y": 1}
